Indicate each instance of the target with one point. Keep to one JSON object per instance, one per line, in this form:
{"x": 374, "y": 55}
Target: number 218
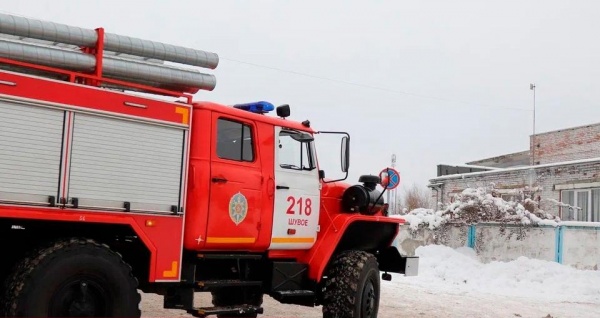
{"x": 304, "y": 205}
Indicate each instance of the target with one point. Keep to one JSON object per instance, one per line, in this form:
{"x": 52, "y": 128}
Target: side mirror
{"x": 345, "y": 153}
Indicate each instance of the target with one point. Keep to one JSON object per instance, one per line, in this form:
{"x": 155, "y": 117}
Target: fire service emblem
{"x": 238, "y": 208}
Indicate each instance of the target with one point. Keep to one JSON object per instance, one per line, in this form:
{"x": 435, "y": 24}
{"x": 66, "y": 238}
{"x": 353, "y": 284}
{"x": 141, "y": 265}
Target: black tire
{"x": 352, "y": 286}
{"x": 228, "y": 297}
{"x": 72, "y": 277}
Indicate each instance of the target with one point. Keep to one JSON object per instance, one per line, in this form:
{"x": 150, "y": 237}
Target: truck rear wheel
{"x": 73, "y": 277}
{"x": 352, "y": 286}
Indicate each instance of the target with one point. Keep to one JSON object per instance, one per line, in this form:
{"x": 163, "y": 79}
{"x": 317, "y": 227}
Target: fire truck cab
{"x": 261, "y": 177}
{"x": 106, "y": 192}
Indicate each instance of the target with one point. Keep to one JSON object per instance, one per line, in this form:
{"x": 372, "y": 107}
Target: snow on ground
{"x": 454, "y": 283}
{"x": 446, "y": 269}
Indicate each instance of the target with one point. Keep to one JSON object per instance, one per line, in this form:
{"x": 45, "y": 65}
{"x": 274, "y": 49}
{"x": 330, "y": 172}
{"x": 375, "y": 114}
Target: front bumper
{"x": 390, "y": 260}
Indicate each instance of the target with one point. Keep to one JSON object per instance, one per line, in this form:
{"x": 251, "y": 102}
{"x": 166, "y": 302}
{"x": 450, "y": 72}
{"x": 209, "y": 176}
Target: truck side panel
{"x": 76, "y": 153}
{"x": 102, "y": 161}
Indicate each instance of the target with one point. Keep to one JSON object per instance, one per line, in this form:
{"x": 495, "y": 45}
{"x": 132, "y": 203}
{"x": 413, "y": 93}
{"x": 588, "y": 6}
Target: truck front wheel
{"x": 73, "y": 277}
{"x": 352, "y": 286}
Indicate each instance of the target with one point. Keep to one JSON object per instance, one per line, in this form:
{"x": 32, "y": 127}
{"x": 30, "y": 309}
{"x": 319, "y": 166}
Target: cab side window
{"x": 234, "y": 140}
{"x": 295, "y": 151}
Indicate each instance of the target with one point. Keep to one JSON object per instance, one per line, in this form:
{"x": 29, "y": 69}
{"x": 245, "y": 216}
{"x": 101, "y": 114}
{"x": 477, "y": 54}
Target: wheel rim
{"x": 82, "y": 296}
{"x": 369, "y": 300}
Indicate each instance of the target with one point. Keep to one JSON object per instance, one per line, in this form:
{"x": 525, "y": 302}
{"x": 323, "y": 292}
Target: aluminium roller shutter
{"x": 115, "y": 161}
{"x": 30, "y": 152}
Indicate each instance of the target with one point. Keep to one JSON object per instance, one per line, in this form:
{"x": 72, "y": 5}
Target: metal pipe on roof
{"x": 189, "y": 81}
{"x": 61, "y": 33}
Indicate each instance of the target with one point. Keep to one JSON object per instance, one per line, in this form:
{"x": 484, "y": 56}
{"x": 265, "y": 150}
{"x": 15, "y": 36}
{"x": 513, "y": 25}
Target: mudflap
{"x": 390, "y": 260}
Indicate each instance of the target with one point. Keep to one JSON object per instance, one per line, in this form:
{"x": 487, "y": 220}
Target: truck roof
{"x": 230, "y": 110}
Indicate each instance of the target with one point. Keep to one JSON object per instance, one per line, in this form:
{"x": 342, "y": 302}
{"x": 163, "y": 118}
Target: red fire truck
{"x": 114, "y": 181}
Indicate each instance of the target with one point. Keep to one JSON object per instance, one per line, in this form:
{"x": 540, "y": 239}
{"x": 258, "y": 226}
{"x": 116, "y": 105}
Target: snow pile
{"x": 418, "y": 217}
{"x": 444, "y": 269}
{"x": 476, "y": 205}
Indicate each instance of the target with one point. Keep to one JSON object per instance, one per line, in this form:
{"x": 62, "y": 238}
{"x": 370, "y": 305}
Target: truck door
{"x": 297, "y": 191}
{"x": 235, "y": 185}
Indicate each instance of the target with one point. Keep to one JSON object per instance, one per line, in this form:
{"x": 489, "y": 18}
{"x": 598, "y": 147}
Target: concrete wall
{"x": 506, "y": 243}
{"x": 576, "y": 246}
{"x": 566, "y": 145}
{"x": 581, "y": 247}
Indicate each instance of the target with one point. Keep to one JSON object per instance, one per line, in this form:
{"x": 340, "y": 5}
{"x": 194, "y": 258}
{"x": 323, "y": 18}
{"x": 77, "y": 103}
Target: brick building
{"x": 561, "y": 166}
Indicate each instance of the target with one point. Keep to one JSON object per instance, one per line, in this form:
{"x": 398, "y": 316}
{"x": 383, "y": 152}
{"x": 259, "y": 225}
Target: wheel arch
{"x": 367, "y": 236}
{"x": 351, "y": 232}
{"x": 376, "y": 238}
{"x": 25, "y": 235}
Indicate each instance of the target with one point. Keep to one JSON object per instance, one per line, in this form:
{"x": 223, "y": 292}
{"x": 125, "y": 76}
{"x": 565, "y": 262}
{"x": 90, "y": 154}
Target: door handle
{"x": 219, "y": 180}
{"x": 280, "y": 187}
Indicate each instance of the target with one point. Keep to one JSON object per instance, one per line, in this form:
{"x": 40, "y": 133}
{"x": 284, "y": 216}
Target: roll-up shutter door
{"x": 116, "y": 161}
{"x": 30, "y": 152}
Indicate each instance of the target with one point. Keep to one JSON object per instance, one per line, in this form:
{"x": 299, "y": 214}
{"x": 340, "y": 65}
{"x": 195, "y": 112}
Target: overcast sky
{"x": 430, "y": 81}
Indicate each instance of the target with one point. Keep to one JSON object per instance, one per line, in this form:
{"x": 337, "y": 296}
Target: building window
{"x": 296, "y": 150}
{"x": 588, "y": 202}
{"x": 510, "y": 197}
{"x": 234, "y": 141}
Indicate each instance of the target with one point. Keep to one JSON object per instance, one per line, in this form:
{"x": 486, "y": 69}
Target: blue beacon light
{"x": 256, "y": 107}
